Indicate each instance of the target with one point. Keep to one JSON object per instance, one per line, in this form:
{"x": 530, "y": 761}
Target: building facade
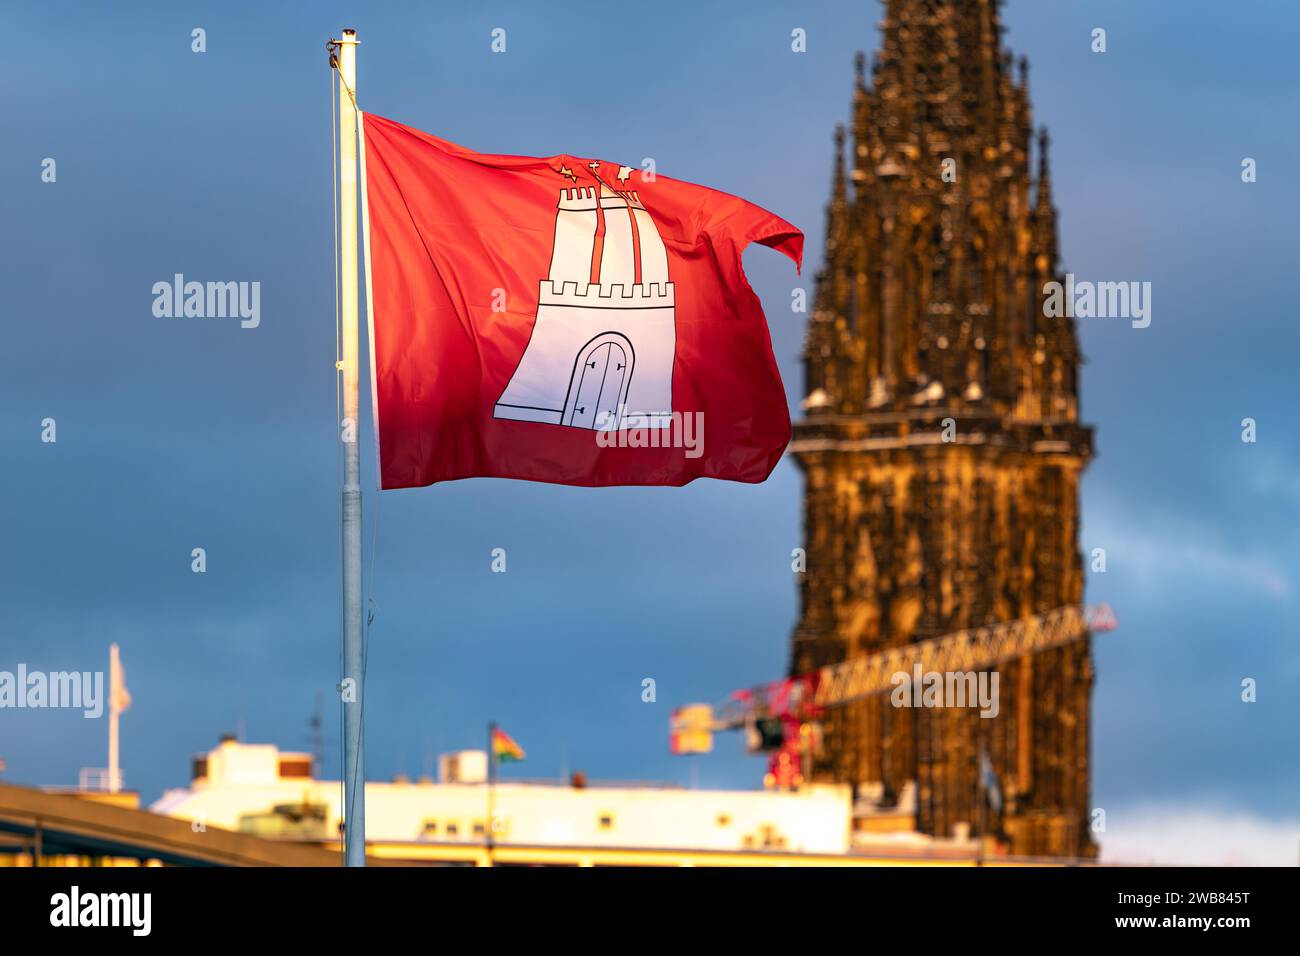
{"x": 940, "y": 442}
{"x": 260, "y": 790}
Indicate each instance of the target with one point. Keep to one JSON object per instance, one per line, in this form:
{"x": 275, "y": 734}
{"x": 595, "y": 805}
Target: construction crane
{"x": 784, "y": 717}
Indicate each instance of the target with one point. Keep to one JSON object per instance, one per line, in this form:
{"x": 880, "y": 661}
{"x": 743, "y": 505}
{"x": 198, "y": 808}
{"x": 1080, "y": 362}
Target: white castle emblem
{"x": 601, "y": 351}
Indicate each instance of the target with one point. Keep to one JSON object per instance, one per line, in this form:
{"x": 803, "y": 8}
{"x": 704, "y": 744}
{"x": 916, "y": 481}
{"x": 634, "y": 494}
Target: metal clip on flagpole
{"x": 354, "y": 764}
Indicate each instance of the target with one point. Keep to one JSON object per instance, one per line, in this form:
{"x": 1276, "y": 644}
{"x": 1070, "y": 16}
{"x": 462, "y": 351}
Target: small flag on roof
{"x": 504, "y": 747}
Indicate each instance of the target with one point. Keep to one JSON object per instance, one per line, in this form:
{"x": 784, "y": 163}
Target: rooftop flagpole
{"x": 488, "y": 833}
{"x": 354, "y": 764}
{"x": 115, "y": 707}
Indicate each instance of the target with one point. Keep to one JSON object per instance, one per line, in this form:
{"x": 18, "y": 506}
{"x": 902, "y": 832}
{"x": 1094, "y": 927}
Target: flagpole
{"x": 354, "y": 764}
{"x": 491, "y": 784}
{"x": 114, "y": 702}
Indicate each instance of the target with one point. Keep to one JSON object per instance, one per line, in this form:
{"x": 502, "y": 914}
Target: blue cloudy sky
{"x": 176, "y": 434}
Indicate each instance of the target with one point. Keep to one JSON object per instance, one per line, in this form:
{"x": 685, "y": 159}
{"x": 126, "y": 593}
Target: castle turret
{"x": 606, "y": 308}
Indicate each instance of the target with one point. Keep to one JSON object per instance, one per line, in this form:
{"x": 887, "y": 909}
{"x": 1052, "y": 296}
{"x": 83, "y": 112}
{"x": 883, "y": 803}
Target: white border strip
{"x": 370, "y": 298}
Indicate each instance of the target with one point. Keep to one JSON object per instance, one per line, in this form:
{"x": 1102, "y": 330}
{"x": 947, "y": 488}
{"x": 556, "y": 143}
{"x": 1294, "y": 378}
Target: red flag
{"x": 563, "y": 320}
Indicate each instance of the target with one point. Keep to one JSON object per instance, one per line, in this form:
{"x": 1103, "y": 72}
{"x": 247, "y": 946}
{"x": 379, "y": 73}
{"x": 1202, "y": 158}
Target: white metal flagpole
{"x": 114, "y": 713}
{"x": 354, "y": 764}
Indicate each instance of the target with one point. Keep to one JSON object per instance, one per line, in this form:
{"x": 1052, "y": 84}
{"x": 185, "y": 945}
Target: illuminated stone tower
{"x": 929, "y": 309}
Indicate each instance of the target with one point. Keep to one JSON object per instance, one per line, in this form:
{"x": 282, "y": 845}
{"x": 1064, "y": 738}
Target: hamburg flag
{"x": 563, "y": 320}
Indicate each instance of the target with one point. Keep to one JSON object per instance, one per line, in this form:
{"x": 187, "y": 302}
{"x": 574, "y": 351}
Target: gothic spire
{"x": 929, "y": 313}
{"x": 1044, "y": 234}
{"x": 837, "y": 210}
{"x": 941, "y": 84}
{"x": 1044, "y": 172}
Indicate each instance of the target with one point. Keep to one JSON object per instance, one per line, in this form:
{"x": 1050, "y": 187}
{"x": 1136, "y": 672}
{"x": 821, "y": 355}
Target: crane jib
{"x": 968, "y": 650}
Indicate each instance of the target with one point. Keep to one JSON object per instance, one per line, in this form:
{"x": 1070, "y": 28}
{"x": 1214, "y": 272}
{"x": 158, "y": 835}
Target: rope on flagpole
{"x": 368, "y": 583}
{"x": 332, "y": 46}
{"x": 338, "y": 389}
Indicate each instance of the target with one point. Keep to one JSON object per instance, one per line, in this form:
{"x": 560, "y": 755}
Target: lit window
{"x": 478, "y": 829}
{"x": 453, "y": 829}
{"x": 431, "y": 828}
{"x": 606, "y": 821}
{"x": 724, "y": 820}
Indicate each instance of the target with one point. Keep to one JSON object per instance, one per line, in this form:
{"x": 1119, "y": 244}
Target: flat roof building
{"x": 256, "y": 788}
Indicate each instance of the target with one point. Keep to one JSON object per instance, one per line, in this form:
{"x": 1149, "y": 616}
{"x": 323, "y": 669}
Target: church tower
{"x": 940, "y": 442}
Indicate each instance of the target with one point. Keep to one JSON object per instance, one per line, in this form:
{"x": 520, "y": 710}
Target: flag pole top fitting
{"x": 333, "y": 46}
